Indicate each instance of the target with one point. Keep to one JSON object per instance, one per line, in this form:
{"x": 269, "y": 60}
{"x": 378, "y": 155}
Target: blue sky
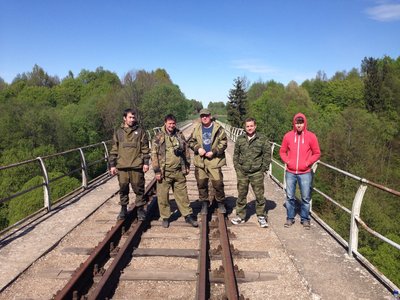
{"x": 203, "y": 45}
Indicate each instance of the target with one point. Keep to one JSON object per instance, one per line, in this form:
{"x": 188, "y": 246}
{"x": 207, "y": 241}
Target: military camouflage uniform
{"x": 170, "y": 157}
{"x": 129, "y": 152}
{"x": 251, "y": 159}
{"x": 209, "y": 168}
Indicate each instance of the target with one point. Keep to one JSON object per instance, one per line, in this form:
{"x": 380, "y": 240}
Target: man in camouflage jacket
{"x": 129, "y": 158}
{"x": 209, "y": 141}
{"x": 170, "y": 158}
{"x": 251, "y": 158}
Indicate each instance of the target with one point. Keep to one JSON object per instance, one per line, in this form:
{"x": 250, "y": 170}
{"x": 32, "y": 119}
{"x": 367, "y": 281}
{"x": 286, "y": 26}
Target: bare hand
{"x": 113, "y": 171}
{"x": 209, "y": 155}
{"x": 202, "y": 152}
{"x": 158, "y": 177}
{"x": 145, "y": 168}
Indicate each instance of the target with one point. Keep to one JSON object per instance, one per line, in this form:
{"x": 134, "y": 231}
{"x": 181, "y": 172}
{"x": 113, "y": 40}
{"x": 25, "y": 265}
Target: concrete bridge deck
{"x": 319, "y": 267}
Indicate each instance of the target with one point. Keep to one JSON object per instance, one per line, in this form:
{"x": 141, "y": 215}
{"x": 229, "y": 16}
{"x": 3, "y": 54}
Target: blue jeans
{"x": 305, "y": 184}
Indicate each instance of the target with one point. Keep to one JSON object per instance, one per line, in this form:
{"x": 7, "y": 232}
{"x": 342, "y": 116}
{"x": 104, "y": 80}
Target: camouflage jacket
{"x": 130, "y": 148}
{"x": 159, "y": 151}
{"x": 252, "y": 156}
{"x": 219, "y": 142}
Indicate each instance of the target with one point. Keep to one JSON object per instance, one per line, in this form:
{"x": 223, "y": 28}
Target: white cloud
{"x": 384, "y": 12}
{"x": 253, "y": 66}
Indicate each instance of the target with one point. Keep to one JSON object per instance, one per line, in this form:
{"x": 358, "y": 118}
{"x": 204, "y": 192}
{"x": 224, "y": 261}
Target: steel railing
{"x": 356, "y": 223}
{"x": 40, "y": 165}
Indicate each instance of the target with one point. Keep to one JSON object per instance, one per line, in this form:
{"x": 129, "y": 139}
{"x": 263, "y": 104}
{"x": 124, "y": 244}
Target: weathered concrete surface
{"x": 323, "y": 263}
{"x": 25, "y": 246}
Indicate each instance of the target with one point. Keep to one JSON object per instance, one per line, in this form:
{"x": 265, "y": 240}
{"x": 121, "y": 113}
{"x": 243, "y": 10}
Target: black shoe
{"x": 221, "y": 208}
{"x": 122, "y": 214}
{"x": 165, "y": 223}
{"x": 204, "y": 206}
{"x": 189, "y": 219}
{"x": 141, "y": 213}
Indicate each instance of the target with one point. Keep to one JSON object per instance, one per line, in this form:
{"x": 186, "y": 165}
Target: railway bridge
{"x": 39, "y": 254}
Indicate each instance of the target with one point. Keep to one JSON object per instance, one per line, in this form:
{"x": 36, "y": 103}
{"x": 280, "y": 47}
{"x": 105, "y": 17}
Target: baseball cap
{"x": 205, "y": 111}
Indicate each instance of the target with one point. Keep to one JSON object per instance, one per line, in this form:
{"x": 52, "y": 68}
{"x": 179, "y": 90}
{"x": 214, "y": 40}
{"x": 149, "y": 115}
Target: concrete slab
{"x": 23, "y": 247}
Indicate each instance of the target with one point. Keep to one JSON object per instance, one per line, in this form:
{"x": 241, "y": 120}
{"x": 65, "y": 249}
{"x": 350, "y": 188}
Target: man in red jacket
{"x": 299, "y": 151}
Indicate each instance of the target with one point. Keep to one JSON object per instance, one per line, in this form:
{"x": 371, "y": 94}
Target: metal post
{"x": 46, "y": 187}
{"x": 106, "y": 155}
{"x": 355, "y": 212}
{"x": 313, "y": 169}
{"x": 272, "y": 156}
{"x": 84, "y": 169}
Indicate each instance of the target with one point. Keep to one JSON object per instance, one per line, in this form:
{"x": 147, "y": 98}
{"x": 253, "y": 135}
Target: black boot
{"x": 190, "y": 219}
{"x": 221, "y": 207}
{"x": 204, "y": 206}
{"x": 141, "y": 213}
{"x": 122, "y": 214}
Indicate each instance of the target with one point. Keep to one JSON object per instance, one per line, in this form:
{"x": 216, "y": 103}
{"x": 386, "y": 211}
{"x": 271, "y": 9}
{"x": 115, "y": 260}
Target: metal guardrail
{"x": 40, "y": 164}
{"x": 356, "y": 223}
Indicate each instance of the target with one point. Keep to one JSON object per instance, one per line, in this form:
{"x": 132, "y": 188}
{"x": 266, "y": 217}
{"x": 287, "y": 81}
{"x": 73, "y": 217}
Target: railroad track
{"x": 112, "y": 260}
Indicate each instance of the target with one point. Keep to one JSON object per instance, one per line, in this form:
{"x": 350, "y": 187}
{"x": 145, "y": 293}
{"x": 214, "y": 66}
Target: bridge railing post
{"x": 84, "y": 169}
{"x": 46, "y": 186}
{"x": 355, "y": 213}
{"x": 106, "y": 155}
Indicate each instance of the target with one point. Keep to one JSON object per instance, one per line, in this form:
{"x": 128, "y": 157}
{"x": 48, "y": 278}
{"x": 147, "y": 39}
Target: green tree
{"x": 270, "y": 112}
{"x": 3, "y": 84}
{"x": 256, "y": 90}
{"x": 217, "y": 108}
{"x": 372, "y": 84}
{"x": 236, "y": 106}
{"x": 160, "y": 101}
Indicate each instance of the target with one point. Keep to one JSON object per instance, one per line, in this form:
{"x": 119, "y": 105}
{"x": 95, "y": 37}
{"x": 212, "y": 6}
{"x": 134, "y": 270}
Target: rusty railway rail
{"x": 83, "y": 278}
{"x": 92, "y": 280}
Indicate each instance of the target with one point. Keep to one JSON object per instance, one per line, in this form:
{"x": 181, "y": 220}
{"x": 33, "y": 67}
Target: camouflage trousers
{"x": 177, "y": 181}
{"x": 135, "y": 177}
{"x": 257, "y": 183}
{"x": 203, "y": 175}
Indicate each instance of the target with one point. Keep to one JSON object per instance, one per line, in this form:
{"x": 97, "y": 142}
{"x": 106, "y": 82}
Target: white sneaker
{"x": 237, "y": 221}
{"x": 263, "y": 222}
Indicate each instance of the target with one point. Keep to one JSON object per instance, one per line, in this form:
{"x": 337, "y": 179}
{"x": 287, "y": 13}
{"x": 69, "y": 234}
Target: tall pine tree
{"x": 236, "y": 106}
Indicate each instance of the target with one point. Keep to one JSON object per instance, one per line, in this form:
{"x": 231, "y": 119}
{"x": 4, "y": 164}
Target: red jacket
{"x": 299, "y": 151}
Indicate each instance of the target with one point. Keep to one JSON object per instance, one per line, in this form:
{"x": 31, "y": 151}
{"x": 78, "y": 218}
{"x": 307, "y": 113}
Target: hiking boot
{"x": 165, "y": 223}
{"x": 141, "y": 213}
{"x": 122, "y": 214}
{"x": 306, "y": 224}
{"x": 262, "y": 221}
{"x": 289, "y": 222}
{"x": 221, "y": 208}
{"x": 237, "y": 220}
{"x": 204, "y": 206}
{"x": 190, "y": 219}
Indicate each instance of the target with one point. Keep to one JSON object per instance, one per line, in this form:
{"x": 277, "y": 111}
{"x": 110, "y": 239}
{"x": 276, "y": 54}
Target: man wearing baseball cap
{"x": 209, "y": 141}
